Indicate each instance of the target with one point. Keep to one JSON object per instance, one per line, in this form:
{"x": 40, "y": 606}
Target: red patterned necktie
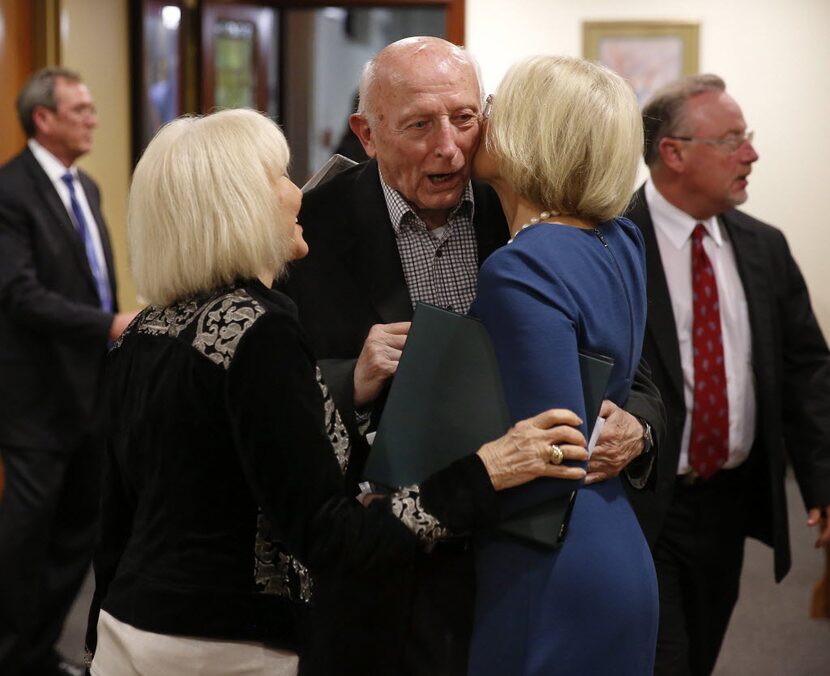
{"x": 709, "y": 442}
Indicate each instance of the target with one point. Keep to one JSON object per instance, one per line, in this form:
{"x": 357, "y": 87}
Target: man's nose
{"x": 748, "y": 154}
{"x": 446, "y": 144}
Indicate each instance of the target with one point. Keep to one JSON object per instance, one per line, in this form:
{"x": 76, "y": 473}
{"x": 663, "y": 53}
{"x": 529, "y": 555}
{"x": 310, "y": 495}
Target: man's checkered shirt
{"x": 439, "y": 266}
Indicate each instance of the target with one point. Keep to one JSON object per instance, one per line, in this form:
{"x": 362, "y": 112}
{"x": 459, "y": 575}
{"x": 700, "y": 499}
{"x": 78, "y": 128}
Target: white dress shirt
{"x": 673, "y": 229}
{"x": 55, "y": 169}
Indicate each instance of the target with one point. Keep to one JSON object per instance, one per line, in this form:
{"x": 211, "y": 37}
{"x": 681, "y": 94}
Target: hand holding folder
{"x": 446, "y": 401}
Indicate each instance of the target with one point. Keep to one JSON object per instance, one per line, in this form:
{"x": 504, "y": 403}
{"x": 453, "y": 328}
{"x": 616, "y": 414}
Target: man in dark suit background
{"x": 57, "y": 312}
{"x": 410, "y": 226}
{"x": 740, "y": 360}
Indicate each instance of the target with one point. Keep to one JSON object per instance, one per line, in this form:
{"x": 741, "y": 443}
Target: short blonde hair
{"x": 567, "y": 135}
{"x": 203, "y": 210}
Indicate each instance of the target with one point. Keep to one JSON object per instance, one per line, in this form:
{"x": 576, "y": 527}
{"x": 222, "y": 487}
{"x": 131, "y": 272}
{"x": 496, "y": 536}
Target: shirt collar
{"x": 54, "y": 168}
{"x": 676, "y": 224}
{"x": 399, "y": 208}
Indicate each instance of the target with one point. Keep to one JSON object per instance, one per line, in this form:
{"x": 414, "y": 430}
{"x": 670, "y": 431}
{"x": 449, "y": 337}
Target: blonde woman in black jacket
{"x": 224, "y": 509}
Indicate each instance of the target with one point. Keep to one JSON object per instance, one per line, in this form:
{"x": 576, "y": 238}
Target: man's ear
{"x": 671, "y": 153}
{"x": 42, "y": 119}
{"x": 360, "y": 127}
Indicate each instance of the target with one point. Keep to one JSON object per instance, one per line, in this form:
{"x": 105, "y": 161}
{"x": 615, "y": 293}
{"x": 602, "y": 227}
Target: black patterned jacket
{"x": 225, "y": 471}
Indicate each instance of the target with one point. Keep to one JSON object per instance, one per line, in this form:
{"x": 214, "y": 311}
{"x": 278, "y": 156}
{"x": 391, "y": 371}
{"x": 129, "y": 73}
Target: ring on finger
{"x": 556, "y": 455}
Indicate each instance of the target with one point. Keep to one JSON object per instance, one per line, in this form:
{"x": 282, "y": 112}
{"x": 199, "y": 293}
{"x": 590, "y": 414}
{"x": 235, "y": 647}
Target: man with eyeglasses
{"x": 741, "y": 363}
{"x": 409, "y": 225}
{"x": 58, "y": 310}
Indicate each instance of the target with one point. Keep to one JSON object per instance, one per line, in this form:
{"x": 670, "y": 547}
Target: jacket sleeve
{"x": 806, "y": 385}
{"x": 276, "y": 411}
{"x": 645, "y": 402}
{"x": 24, "y": 297}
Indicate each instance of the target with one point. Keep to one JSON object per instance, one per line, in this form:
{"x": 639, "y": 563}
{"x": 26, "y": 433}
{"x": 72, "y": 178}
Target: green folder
{"x": 446, "y": 401}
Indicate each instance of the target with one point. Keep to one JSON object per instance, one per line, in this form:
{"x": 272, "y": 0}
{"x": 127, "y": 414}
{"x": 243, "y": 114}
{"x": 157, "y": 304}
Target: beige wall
{"x": 94, "y": 41}
{"x": 775, "y": 58}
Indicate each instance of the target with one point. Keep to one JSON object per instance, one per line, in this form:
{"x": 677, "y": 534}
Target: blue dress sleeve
{"x": 533, "y": 322}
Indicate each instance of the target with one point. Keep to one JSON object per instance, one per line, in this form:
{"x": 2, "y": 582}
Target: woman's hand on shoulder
{"x": 526, "y": 451}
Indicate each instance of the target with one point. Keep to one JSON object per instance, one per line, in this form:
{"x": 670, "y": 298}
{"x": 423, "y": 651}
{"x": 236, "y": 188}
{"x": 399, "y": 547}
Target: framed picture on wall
{"x": 649, "y": 54}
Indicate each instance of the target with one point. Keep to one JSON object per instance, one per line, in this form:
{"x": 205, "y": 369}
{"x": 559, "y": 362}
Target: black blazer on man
{"x": 791, "y": 366}
{"x": 351, "y": 279}
{"x": 53, "y": 333}
{"x": 53, "y": 340}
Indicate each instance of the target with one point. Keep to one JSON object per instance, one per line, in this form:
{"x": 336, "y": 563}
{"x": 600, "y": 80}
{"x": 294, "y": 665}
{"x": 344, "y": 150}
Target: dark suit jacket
{"x": 53, "y": 334}
{"x": 351, "y": 279}
{"x": 791, "y": 366}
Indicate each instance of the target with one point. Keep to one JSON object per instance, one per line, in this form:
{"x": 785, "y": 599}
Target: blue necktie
{"x": 97, "y": 266}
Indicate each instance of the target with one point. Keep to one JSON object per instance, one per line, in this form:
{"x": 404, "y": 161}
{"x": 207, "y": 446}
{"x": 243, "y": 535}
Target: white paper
{"x": 333, "y": 166}
{"x": 598, "y": 425}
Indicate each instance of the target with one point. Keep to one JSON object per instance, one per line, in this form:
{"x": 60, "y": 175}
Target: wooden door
{"x": 238, "y": 51}
{"x": 16, "y": 63}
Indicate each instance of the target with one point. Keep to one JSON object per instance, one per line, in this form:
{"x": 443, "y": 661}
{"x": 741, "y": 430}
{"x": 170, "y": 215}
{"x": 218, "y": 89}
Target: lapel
{"x": 44, "y": 188}
{"x": 660, "y": 322}
{"x": 376, "y": 263}
{"x": 92, "y": 198}
{"x": 750, "y": 258}
{"x": 488, "y": 221}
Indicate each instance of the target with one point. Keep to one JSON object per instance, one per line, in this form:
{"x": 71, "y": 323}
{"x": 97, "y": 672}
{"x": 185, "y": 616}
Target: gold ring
{"x": 556, "y": 455}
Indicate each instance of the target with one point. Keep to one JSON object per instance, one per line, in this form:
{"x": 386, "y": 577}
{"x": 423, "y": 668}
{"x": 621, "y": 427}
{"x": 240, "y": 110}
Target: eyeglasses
{"x": 488, "y": 106}
{"x": 84, "y": 110}
{"x": 729, "y": 143}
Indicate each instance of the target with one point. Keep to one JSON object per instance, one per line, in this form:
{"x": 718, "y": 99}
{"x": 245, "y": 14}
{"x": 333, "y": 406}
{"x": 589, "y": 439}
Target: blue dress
{"x": 588, "y": 608}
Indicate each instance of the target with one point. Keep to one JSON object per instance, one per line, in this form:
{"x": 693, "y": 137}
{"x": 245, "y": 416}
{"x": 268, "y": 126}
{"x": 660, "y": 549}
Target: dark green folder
{"x": 546, "y": 523}
{"x": 446, "y": 401}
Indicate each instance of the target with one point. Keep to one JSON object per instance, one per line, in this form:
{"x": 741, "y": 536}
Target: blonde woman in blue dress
{"x": 561, "y": 148}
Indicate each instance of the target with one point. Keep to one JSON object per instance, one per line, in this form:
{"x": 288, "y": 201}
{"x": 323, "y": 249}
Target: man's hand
{"x": 378, "y": 360}
{"x": 814, "y": 518}
{"x": 120, "y": 322}
{"x": 619, "y": 442}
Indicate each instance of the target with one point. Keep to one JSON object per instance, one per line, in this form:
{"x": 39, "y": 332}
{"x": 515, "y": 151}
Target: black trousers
{"x": 415, "y": 620}
{"x": 48, "y": 527}
{"x": 699, "y": 556}
{"x": 438, "y": 640}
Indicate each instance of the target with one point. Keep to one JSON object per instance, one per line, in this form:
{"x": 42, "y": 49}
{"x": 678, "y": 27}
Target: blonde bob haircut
{"x": 203, "y": 210}
{"x": 567, "y": 136}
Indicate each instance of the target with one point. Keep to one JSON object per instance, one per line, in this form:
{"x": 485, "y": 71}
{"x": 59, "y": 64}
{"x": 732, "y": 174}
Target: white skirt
{"x": 124, "y": 650}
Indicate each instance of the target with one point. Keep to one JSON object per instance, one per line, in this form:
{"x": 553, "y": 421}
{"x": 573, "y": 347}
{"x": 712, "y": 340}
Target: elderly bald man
{"x": 409, "y": 225}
